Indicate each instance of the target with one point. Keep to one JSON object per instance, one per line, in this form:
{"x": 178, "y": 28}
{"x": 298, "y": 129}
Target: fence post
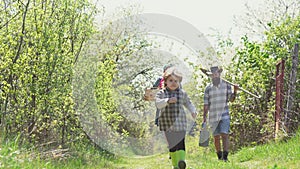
{"x": 279, "y": 94}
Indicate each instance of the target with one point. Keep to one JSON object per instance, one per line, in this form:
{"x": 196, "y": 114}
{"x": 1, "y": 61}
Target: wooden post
{"x": 279, "y": 94}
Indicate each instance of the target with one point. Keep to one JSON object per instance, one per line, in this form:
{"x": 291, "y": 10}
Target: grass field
{"x": 283, "y": 155}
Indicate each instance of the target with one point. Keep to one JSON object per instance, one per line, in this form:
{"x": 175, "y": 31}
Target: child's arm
{"x": 160, "y": 101}
{"x": 190, "y": 106}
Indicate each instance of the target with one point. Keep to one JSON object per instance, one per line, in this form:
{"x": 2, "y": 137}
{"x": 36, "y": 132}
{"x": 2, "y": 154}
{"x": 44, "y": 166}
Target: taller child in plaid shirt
{"x": 216, "y": 98}
{"x": 172, "y": 121}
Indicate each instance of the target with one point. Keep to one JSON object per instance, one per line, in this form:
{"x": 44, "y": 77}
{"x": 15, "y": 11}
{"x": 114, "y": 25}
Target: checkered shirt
{"x": 217, "y": 100}
{"x": 173, "y": 115}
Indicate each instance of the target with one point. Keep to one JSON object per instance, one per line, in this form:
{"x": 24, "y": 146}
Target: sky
{"x": 206, "y": 15}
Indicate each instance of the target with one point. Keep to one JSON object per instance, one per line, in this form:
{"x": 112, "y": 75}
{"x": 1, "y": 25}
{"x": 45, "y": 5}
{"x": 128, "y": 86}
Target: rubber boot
{"x": 225, "y": 156}
{"x": 220, "y": 155}
{"x": 173, "y": 156}
{"x": 181, "y": 159}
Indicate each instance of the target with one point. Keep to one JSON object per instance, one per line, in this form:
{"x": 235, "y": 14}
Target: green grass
{"x": 280, "y": 155}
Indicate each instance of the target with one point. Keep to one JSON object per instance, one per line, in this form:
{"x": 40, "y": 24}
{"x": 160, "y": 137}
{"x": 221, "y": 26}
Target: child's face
{"x": 172, "y": 82}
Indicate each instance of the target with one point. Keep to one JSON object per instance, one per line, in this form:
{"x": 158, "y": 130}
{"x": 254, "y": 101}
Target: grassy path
{"x": 197, "y": 157}
{"x": 281, "y": 155}
{"x": 273, "y": 155}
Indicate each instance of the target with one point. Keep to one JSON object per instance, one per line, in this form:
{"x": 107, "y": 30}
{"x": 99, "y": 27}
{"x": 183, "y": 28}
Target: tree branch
{"x": 23, "y": 33}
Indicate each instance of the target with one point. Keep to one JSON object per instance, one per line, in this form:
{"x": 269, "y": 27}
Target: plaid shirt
{"x": 173, "y": 116}
{"x": 217, "y": 100}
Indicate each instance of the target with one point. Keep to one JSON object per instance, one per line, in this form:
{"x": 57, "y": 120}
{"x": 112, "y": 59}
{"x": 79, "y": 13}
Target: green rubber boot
{"x": 173, "y": 156}
{"x": 181, "y": 159}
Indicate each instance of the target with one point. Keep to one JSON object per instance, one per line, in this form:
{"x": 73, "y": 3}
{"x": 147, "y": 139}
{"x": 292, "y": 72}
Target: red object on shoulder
{"x": 161, "y": 83}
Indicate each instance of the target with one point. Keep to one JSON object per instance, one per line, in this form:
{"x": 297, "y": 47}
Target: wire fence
{"x": 290, "y": 96}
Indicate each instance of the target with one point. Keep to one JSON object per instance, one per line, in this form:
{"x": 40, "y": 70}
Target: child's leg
{"x": 181, "y": 150}
{"x": 176, "y": 147}
{"x": 173, "y": 159}
{"x": 180, "y": 153}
